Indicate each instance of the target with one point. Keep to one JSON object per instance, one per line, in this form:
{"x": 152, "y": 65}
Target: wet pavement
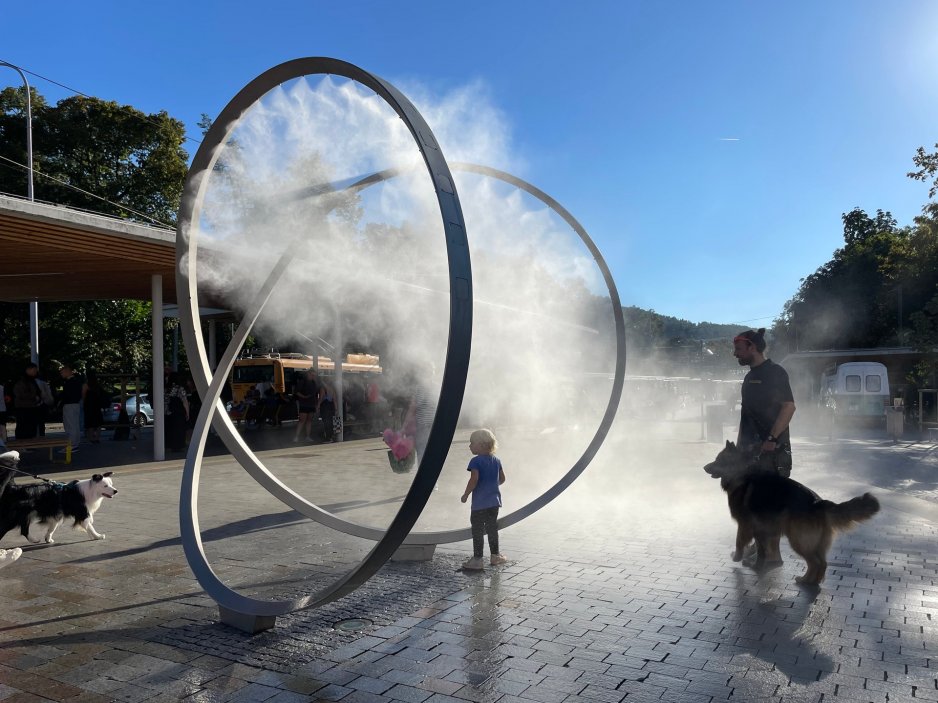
{"x": 622, "y": 589}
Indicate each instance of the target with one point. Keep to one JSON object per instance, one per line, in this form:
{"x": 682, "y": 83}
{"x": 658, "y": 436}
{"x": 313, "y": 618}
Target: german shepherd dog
{"x": 766, "y": 506}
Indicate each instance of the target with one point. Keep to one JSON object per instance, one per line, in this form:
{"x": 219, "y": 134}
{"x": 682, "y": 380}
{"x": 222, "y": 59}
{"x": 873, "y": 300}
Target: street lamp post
{"x": 33, "y": 306}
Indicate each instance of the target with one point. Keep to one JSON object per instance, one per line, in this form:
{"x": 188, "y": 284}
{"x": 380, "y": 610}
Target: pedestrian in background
{"x": 327, "y": 410}
{"x": 176, "y": 408}
{"x": 195, "y": 405}
{"x": 306, "y": 393}
{"x": 48, "y": 403}
{"x": 418, "y": 419}
{"x": 72, "y": 386}
{"x": 93, "y": 402}
{"x": 27, "y": 402}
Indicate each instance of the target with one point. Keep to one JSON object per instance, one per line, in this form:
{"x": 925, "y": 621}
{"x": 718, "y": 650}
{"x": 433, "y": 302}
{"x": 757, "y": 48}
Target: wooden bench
{"x": 42, "y": 443}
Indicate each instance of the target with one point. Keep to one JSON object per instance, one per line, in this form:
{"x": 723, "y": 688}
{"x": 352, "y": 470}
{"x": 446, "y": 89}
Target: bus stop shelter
{"x": 55, "y": 254}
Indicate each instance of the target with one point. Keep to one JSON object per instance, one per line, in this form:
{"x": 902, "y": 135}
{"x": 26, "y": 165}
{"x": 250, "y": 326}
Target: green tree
{"x": 133, "y": 160}
{"x": 85, "y": 333}
{"x": 923, "y": 258}
{"x": 13, "y": 143}
{"x": 927, "y": 168}
{"x": 848, "y": 302}
{"x": 85, "y": 146}
{"x": 875, "y": 291}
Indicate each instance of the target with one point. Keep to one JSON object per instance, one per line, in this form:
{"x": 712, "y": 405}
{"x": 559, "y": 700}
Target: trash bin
{"x": 895, "y": 422}
{"x": 716, "y": 412}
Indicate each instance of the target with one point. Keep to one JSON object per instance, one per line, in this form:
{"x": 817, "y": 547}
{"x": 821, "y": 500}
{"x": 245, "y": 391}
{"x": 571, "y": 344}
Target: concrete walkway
{"x": 620, "y": 590}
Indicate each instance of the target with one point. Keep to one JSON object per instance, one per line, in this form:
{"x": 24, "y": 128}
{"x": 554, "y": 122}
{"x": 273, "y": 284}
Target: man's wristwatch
{"x": 771, "y": 438}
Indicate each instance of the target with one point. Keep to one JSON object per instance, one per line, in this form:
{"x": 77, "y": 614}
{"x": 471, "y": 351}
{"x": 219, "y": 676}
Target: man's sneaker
{"x": 474, "y": 564}
{"x": 8, "y": 556}
{"x": 498, "y": 559}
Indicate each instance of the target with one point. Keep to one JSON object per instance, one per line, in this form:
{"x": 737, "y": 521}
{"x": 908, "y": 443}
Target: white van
{"x": 856, "y": 389}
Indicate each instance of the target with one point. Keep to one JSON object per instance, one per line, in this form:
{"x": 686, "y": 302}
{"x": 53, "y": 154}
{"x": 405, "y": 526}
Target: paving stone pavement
{"x": 622, "y": 589}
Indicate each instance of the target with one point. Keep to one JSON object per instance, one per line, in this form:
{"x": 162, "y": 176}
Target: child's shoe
{"x": 498, "y": 559}
{"x": 474, "y": 564}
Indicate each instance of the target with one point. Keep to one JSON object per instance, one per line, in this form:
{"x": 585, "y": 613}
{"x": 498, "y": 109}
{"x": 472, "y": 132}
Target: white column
{"x": 340, "y": 359}
{"x": 212, "y": 344}
{"x": 33, "y": 306}
{"x": 159, "y": 419}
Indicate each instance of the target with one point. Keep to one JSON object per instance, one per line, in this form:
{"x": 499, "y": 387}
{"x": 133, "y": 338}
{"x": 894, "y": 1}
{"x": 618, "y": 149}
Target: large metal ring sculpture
{"x": 232, "y": 604}
{"x": 454, "y": 370}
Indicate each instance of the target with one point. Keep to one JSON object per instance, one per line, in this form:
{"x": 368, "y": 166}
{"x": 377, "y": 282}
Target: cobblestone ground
{"x": 621, "y": 590}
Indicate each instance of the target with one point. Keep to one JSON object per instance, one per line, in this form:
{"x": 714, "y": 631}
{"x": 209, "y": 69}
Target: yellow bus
{"x": 281, "y": 371}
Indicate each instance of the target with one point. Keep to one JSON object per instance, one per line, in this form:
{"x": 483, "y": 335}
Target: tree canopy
{"x": 879, "y": 289}
{"x": 870, "y": 291}
{"x": 85, "y": 147}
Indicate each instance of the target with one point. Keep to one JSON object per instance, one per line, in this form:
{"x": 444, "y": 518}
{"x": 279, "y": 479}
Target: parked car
{"x": 139, "y": 418}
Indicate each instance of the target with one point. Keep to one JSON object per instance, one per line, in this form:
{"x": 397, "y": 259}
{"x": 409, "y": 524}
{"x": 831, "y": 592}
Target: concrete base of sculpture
{"x": 414, "y": 552}
{"x": 252, "y": 624}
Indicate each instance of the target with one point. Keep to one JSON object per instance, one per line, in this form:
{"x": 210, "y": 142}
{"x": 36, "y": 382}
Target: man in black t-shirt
{"x": 767, "y": 404}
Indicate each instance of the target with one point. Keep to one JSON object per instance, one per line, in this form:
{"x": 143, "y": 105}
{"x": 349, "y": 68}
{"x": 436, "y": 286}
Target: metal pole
{"x": 29, "y": 128}
{"x": 156, "y": 398}
{"x": 34, "y": 331}
{"x": 175, "y": 363}
{"x": 339, "y": 362}
{"x": 900, "y": 316}
{"x": 33, "y": 306}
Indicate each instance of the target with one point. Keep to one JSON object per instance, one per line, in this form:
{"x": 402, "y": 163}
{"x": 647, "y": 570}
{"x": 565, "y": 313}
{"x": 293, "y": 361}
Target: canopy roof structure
{"x": 54, "y": 253}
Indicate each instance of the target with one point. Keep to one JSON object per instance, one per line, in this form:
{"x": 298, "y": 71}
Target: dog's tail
{"x": 843, "y": 516}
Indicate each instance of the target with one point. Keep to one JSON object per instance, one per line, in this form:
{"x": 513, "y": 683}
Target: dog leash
{"x": 58, "y": 484}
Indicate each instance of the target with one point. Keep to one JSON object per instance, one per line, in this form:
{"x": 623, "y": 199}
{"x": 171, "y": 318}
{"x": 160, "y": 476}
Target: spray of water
{"x": 368, "y": 268}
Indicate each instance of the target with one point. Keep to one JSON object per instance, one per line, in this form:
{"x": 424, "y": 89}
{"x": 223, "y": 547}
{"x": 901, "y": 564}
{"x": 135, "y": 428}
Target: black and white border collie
{"x": 38, "y": 509}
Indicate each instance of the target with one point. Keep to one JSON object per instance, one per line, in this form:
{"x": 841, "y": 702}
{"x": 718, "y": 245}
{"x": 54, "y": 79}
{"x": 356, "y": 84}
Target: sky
{"x": 709, "y": 149}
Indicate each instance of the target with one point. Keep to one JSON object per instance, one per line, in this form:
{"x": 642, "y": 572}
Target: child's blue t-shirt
{"x": 486, "y": 493}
